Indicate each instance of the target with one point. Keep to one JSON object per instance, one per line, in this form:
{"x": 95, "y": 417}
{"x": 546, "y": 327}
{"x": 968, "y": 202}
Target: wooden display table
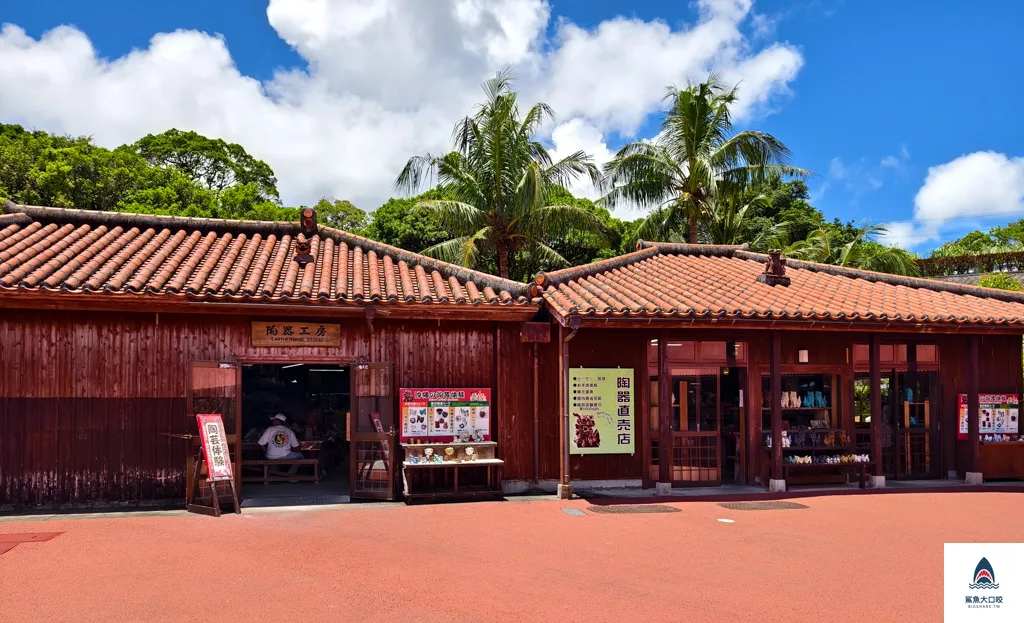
{"x": 1002, "y": 460}
{"x": 415, "y": 473}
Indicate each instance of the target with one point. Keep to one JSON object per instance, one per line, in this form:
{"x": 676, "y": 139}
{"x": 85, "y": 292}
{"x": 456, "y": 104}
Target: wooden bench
{"x": 860, "y": 468}
{"x": 269, "y": 477}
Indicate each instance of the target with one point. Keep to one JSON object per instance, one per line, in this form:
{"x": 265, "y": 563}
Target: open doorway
{"x": 314, "y": 400}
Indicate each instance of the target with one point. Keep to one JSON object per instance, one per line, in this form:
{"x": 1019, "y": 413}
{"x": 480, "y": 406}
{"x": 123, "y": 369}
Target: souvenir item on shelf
{"x": 830, "y": 439}
{"x": 449, "y": 452}
{"x": 470, "y": 453}
{"x": 438, "y": 458}
{"x": 768, "y": 441}
{"x": 429, "y": 452}
{"x": 796, "y": 400}
{"x": 414, "y": 459}
{"x": 464, "y": 437}
{"x": 477, "y": 436}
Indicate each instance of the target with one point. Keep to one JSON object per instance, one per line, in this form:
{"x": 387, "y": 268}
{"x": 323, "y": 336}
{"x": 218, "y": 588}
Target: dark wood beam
{"x": 664, "y": 411}
{"x": 875, "y": 362}
{"x": 973, "y": 408}
{"x": 776, "y": 402}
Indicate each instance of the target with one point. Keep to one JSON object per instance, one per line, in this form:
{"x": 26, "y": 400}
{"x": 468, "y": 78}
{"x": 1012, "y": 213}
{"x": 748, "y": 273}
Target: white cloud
{"x": 890, "y": 162}
{"x": 896, "y": 161}
{"x": 572, "y": 136}
{"x": 963, "y": 191}
{"x": 903, "y": 234}
{"x": 837, "y": 169}
{"x": 979, "y": 184}
{"x": 386, "y": 79}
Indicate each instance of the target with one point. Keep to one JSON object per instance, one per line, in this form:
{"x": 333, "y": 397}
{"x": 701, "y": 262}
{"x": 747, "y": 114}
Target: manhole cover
{"x": 761, "y": 506}
{"x": 624, "y": 509}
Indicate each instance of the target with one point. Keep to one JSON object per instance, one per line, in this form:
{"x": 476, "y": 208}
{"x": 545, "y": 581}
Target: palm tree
{"x": 862, "y": 251}
{"x": 693, "y": 159}
{"x": 498, "y": 183}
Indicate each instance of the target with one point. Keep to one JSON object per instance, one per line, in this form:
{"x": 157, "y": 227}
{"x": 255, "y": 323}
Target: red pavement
{"x": 846, "y": 558}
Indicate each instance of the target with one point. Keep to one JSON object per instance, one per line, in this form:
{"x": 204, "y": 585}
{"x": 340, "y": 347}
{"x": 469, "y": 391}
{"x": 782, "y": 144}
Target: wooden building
{"x": 117, "y": 329}
{"x": 870, "y": 368}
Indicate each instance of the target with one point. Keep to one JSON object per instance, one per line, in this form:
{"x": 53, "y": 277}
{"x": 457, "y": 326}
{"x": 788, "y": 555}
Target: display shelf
{"x": 785, "y": 409}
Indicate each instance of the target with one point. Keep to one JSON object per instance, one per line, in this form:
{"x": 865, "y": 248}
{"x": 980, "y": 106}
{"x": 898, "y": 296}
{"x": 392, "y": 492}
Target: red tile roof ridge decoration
{"x": 684, "y": 281}
{"x": 72, "y": 250}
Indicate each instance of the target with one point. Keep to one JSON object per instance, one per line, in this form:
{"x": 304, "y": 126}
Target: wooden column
{"x": 776, "y": 401}
{"x": 563, "y": 406}
{"x": 973, "y": 434}
{"x": 664, "y": 411}
{"x": 875, "y": 359}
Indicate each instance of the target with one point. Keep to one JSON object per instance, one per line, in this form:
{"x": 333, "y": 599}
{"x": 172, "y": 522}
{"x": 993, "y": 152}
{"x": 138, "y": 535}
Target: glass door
{"x": 915, "y": 425}
{"x": 373, "y": 446}
{"x": 696, "y": 422}
{"x": 213, "y": 387}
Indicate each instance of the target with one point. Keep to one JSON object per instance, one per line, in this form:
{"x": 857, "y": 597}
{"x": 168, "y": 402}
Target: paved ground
{"x": 845, "y": 558}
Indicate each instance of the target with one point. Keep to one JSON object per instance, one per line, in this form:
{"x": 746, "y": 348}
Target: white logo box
{"x": 990, "y": 591}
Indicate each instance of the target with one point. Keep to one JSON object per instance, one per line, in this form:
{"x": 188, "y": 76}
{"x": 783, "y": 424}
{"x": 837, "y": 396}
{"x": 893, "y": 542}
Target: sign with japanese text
{"x": 601, "y": 411}
{"x": 998, "y": 414}
{"x": 290, "y": 333}
{"x": 215, "y": 446}
{"x": 443, "y": 414}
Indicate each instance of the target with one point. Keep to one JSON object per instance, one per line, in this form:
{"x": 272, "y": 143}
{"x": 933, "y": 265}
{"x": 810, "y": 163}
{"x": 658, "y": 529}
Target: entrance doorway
{"x": 910, "y": 423}
{"x": 315, "y": 400}
{"x": 707, "y": 426}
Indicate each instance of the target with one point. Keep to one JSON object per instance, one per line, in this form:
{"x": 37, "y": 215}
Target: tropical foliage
{"x": 695, "y": 163}
{"x": 861, "y": 251}
{"x": 498, "y": 186}
{"x": 1001, "y": 281}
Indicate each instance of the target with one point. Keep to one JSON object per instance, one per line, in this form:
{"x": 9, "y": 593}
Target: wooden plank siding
{"x": 85, "y": 397}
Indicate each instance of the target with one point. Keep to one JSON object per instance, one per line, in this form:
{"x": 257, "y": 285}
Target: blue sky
{"x": 878, "y": 93}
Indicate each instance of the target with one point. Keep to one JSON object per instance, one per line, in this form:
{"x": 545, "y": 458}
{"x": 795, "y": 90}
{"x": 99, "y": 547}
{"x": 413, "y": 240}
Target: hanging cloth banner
{"x": 215, "y": 447}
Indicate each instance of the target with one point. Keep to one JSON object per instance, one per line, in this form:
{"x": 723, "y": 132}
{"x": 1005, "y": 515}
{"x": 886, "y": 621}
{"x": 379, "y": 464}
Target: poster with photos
{"x": 440, "y": 415}
{"x": 998, "y": 414}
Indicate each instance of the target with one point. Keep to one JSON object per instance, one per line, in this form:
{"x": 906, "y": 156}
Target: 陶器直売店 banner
{"x": 443, "y": 414}
{"x": 601, "y": 411}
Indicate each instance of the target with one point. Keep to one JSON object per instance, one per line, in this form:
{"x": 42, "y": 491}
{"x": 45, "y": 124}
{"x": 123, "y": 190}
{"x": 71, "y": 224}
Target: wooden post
{"x": 664, "y": 412}
{"x": 875, "y": 359}
{"x": 973, "y": 432}
{"x": 564, "y": 490}
{"x": 776, "y": 402}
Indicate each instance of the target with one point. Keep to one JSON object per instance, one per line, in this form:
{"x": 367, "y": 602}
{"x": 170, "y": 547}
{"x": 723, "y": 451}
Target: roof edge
{"x": 684, "y": 248}
{"x": 515, "y": 288}
{"x": 895, "y": 280}
{"x": 96, "y": 217}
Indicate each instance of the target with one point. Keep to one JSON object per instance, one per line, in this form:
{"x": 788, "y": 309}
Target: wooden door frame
{"x": 391, "y": 437}
{"x": 192, "y": 444}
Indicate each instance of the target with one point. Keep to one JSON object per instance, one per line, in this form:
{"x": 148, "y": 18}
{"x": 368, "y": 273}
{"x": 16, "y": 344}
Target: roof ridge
{"x": 546, "y": 279}
{"x": 687, "y": 248}
{"x": 895, "y": 280}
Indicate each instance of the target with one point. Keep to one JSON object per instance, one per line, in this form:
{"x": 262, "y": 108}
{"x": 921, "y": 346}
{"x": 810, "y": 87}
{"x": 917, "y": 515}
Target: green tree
{"x": 693, "y": 159}
{"x": 400, "y": 223}
{"x": 211, "y": 162}
{"x": 498, "y": 183}
{"x": 341, "y": 214}
{"x": 826, "y": 246}
{"x": 1001, "y": 281}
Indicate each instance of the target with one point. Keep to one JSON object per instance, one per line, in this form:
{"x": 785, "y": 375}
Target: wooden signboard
{"x": 214, "y": 454}
{"x": 291, "y": 333}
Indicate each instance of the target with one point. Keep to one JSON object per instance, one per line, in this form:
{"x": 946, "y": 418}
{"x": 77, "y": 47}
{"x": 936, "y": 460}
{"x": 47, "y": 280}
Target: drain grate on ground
{"x": 575, "y": 512}
{"x": 626, "y": 509}
{"x": 761, "y": 506}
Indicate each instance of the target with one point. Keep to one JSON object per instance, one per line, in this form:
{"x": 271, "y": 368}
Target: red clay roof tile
{"x": 695, "y": 281}
{"x": 56, "y": 250}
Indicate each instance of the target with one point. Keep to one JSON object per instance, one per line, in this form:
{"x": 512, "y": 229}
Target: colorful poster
{"x": 215, "y": 446}
{"x": 441, "y": 415}
{"x": 601, "y": 411}
{"x": 998, "y": 414}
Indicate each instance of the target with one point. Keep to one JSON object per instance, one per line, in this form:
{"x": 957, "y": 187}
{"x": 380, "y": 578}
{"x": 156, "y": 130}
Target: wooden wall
{"x": 86, "y": 397}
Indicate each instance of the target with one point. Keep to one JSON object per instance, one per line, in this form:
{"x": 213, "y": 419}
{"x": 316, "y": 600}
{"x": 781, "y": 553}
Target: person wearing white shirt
{"x": 280, "y": 442}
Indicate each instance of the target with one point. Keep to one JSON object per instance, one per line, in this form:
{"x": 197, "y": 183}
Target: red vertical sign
{"x": 215, "y": 447}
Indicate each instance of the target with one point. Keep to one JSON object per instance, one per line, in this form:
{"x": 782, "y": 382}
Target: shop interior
{"x": 315, "y": 400}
